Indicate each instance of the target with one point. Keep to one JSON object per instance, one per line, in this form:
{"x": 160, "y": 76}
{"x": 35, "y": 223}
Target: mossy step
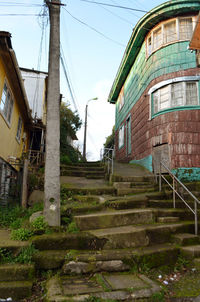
{"x": 140, "y": 236}
{"x": 80, "y": 168}
{"x": 129, "y": 191}
{"x": 168, "y": 204}
{"x": 190, "y": 252}
{"x": 89, "y": 191}
{"x": 183, "y": 214}
{"x": 85, "y": 164}
{"x": 16, "y": 272}
{"x": 128, "y": 202}
{"x": 82, "y": 209}
{"x": 185, "y": 239}
{"x": 15, "y": 289}
{"x": 82, "y": 173}
{"x": 168, "y": 219}
{"x": 13, "y": 246}
{"x": 153, "y": 256}
{"x": 101, "y": 287}
{"x": 115, "y": 218}
{"x": 64, "y": 241}
{"x": 119, "y": 178}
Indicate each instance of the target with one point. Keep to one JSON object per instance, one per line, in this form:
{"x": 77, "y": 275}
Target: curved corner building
{"x": 157, "y": 92}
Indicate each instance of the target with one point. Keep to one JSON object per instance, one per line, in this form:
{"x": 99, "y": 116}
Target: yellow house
{"x": 15, "y": 115}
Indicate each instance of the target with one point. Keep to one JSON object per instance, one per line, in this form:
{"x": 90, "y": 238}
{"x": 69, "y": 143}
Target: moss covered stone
{"x": 16, "y": 272}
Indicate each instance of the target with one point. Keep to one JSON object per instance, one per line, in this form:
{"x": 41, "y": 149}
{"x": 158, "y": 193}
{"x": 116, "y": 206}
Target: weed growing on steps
{"x": 72, "y": 228}
{"x": 25, "y": 255}
{"x": 38, "y": 226}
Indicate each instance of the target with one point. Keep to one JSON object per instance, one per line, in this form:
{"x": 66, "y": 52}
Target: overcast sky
{"x": 93, "y": 39}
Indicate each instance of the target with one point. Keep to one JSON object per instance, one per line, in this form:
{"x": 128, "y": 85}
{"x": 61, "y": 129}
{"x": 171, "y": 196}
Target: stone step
{"x": 168, "y": 204}
{"x": 83, "y": 173}
{"x": 190, "y": 252}
{"x": 114, "y": 218}
{"x": 89, "y": 191}
{"x": 129, "y": 191}
{"x": 15, "y": 289}
{"x": 140, "y": 236}
{"x": 185, "y": 239}
{"x": 132, "y": 179}
{"x": 82, "y": 168}
{"x": 64, "y": 241}
{"x": 168, "y": 219}
{"x": 91, "y": 261}
{"x": 128, "y": 202}
{"x": 16, "y": 272}
{"x": 104, "y": 287}
{"x": 183, "y": 214}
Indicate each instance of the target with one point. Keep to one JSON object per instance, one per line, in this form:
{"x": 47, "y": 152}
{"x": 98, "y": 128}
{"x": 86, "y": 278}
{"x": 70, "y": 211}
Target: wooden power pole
{"x": 52, "y": 161}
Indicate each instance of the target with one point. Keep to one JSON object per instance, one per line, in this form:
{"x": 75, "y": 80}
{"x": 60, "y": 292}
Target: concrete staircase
{"x": 16, "y": 279}
{"x": 135, "y": 228}
{"x": 94, "y": 170}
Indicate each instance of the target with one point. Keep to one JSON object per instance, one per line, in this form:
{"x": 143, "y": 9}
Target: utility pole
{"x": 85, "y": 129}
{"x": 85, "y": 132}
{"x": 52, "y": 160}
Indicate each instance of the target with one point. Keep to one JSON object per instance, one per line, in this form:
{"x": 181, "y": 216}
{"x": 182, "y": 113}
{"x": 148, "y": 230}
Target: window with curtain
{"x": 121, "y": 136}
{"x": 175, "y": 95}
{"x": 6, "y": 105}
{"x": 177, "y": 29}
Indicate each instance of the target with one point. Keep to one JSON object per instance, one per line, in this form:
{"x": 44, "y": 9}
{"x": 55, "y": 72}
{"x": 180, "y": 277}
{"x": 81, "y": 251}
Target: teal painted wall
{"x": 187, "y": 174}
{"x": 171, "y": 58}
{"x": 145, "y": 162}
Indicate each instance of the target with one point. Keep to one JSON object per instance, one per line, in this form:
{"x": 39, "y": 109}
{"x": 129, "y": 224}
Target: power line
{"x": 117, "y": 6}
{"x": 10, "y": 4}
{"x": 16, "y": 15}
{"x": 92, "y": 28}
{"x": 121, "y": 18}
{"x": 67, "y": 79}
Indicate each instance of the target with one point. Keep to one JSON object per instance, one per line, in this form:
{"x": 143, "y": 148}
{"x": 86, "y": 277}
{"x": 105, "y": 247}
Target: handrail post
{"x": 160, "y": 180}
{"x": 112, "y": 151}
{"x": 196, "y": 218}
{"x": 174, "y": 194}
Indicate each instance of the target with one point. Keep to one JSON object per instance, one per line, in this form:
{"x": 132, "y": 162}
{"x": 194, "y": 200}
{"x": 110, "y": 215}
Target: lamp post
{"x": 85, "y": 130}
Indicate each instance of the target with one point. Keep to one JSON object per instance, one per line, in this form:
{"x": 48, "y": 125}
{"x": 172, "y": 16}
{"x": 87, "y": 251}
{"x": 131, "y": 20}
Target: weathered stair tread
{"x": 168, "y": 219}
{"x": 113, "y": 218}
{"x": 131, "y": 228}
{"x": 113, "y": 286}
{"x": 192, "y": 251}
{"x": 16, "y": 272}
{"x": 186, "y": 239}
{"x": 15, "y": 289}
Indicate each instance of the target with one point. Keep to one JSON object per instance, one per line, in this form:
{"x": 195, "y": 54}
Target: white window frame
{"x": 121, "y": 136}
{"x": 9, "y": 103}
{"x": 184, "y": 87}
{"x": 150, "y": 51}
{"x": 19, "y": 129}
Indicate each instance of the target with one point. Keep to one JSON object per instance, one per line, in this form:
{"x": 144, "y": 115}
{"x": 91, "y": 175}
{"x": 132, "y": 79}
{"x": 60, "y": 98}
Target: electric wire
{"x": 117, "y": 6}
{"x": 116, "y": 15}
{"x": 92, "y": 28}
{"x": 62, "y": 59}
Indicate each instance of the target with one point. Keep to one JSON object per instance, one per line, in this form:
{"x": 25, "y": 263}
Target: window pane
{"x": 191, "y": 93}
{"x": 149, "y": 46}
{"x": 170, "y": 32}
{"x": 10, "y": 110}
{"x": 164, "y": 98}
{"x": 155, "y": 102}
{"x": 157, "y": 38}
{"x": 185, "y": 28}
{"x": 177, "y": 94}
{"x": 19, "y": 128}
{"x": 121, "y": 136}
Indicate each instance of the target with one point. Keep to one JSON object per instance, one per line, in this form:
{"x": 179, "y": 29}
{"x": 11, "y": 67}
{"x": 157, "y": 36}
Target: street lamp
{"x": 85, "y": 130}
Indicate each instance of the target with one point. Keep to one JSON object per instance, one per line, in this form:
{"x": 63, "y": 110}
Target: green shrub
{"x": 21, "y": 234}
{"x": 39, "y": 225}
{"x": 65, "y": 160}
{"x": 26, "y": 254}
{"x": 5, "y": 256}
{"x": 16, "y": 224}
{"x": 72, "y": 227}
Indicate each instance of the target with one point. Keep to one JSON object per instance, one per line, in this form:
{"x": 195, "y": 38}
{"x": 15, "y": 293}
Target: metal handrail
{"x": 175, "y": 192}
{"x": 108, "y": 157}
